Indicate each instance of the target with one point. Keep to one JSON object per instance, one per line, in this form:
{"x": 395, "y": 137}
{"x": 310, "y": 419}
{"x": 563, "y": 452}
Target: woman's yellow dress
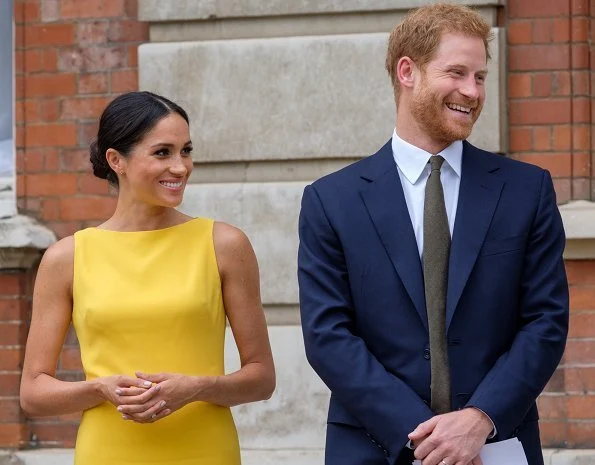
{"x": 151, "y": 301}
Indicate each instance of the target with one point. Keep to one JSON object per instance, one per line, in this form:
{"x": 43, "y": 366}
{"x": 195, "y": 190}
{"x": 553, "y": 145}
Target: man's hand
{"x": 454, "y": 438}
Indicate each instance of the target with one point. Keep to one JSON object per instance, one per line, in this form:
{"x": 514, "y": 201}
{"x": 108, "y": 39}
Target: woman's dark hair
{"x": 123, "y": 123}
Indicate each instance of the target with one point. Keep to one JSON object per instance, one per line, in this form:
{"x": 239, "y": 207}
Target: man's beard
{"x": 429, "y": 110}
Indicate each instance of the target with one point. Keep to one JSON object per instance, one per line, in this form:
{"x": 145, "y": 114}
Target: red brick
{"x": 579, "y": 7}
{"x": 562, "y": 137}
{"x": 50, "y": 209}
{"x": 580, "y": 56}
{"x": 580, "y": 351}
{"x": 12, "y": 434}
{"x": 54, "y": 434}
{"x": 71, "y": 359}
{"x": 10, "y": 410}
{"x": 579, "y": 29}
{"x": 542, "y": 30}
{"x": 539, "y": 111}
{"x": 132, "y": 8}
{"x": 542, "y": 84}
{"x": 553, "y": 433}
{"x": 580, "y": 83}
{"x": 93, "y": 83}
{"x": 542, "y": 138}
{"x": 26, "y": 12}
{"x": 552, "y": 407}
{"x": 93, "y": 32}
{"x": 520, "y": 85}
{"x": 124, "y": 81}
{"x": 561, "y": 30}
{"x": 62, "y": 228}
{"x": 582, "y": 297}
{"x": 561, "y": 84}
{"x": 10, "y": 384}
{"x": 92, "y": 59}
{"x": 89, "y": 184}
{"x": 92, "y": 9}
{"x": 558, "y": 164}
{"x": 47, "y": 35}
{"x": 10, "y": 309}
{"x": 50, "y": 85}
{"x": 519, "y": 32}
{"x": 50, "y": 110}
{"x": 538, "y": 57}
{"x": 132, "y": 54}
{"x": 50, "y": 10}
{"x": 12, "y": 333}
{"x": 11, "y": 284}
{"x": 75, "y": 160}
{"x": 31, "y": 110}
{"x": 581, "y": 137}
{"x": 10, "y": 359}
{"x": 63, "y": 134}
{"x": 128, "y": 31}
{"x": 520, "y": 139}
{"x": 581, "y": 434}
{"x": 51, "y": 184}
{"x": 537, "y": 9}
{"x": 87, "y": 208}
{"x": 579, "y": 379}
{"x": 84, "y": 107}
{"x": 581, "y": 164}
{"x": 582, "y": 324}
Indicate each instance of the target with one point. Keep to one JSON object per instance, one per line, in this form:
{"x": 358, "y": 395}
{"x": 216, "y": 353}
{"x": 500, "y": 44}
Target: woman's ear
{"x": 115, "y": 161}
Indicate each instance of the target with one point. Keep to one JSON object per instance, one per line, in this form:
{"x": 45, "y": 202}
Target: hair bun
{"x": 101, "y": 168}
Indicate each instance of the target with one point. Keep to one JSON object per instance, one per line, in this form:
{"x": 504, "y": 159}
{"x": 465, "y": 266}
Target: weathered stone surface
{"x": 268, "y": 214}
{"x": 169, "y": 10}
{"x": 21, "y": 240}
{"x": 295, "y": 416}
{"x": 291, "y": 98}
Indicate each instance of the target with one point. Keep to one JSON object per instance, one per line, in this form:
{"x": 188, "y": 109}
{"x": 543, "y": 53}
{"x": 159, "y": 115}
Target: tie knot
{"x": 436, "y": 162}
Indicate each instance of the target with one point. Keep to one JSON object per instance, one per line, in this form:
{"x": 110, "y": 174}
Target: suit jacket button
{"x": 427, "y": 354}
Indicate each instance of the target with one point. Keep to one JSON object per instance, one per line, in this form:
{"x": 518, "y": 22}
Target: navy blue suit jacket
{"x": 363, "y": 307}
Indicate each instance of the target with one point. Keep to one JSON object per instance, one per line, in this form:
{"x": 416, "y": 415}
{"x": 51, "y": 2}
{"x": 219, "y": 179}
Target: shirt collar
{"x": 412, "y": 160}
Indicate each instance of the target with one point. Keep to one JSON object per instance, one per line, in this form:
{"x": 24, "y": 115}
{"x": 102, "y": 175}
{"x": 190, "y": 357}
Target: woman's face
{"x": 157, "y": 169}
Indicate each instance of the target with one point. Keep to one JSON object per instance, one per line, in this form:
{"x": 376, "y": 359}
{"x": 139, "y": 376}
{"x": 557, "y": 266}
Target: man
{"x": 433, "y": 295}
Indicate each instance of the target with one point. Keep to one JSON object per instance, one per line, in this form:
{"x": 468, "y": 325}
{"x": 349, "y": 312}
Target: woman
{"x": 148, "y": 292}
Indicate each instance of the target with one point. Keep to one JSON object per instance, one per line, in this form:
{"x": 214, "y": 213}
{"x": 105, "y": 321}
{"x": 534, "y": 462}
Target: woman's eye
{"x": 186, "y": 150}
{"x": 162, "y": 152}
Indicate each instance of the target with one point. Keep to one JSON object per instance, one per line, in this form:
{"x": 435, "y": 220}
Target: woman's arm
{"x": 41, "y": 393}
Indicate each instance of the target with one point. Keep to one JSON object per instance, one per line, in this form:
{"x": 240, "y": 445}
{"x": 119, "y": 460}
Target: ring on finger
{"x": 153, "y": 416}
{"x": 443, "y": 462}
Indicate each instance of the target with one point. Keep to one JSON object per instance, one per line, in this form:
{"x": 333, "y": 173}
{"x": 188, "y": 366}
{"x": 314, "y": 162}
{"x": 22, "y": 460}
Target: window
{"x": 7, "y": 104}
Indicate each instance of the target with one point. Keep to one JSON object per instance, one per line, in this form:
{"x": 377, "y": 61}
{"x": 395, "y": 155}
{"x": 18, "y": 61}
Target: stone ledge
{"x": 189, "y": 10}
{"x": 21, "y": 241}
{"x": 270, "y": 457}
{"x": 579, "y": 223}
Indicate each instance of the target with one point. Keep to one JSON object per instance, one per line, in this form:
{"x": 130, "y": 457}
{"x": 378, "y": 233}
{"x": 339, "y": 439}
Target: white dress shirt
{"x": 414, "y": 169}
{"x": 413, "y": 164}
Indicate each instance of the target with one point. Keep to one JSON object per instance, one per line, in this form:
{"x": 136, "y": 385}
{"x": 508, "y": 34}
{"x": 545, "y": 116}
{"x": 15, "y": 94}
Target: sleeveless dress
{"x": 151, "y": 301}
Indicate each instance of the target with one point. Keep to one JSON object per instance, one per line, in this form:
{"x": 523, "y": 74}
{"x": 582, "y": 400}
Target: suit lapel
{"x": 479, "y": 193}
{"x": 385, "y": 202}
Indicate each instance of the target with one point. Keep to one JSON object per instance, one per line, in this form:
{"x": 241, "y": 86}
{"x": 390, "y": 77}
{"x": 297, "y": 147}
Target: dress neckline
{"x": 146, "y": 231}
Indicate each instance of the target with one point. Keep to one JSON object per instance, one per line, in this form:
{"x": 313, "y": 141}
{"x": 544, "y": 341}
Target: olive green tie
{"x": 436, "y": 250}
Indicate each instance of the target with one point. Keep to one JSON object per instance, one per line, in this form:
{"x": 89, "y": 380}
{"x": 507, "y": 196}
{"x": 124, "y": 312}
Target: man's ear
{"x": 406, "y": 70}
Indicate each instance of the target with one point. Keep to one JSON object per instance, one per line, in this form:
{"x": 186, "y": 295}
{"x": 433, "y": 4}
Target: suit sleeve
{"x": 511, "y": 387}
{"x": 384, "y": 405}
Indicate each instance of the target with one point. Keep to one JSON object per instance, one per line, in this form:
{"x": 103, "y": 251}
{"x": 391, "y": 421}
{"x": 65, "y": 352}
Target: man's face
{"x": 450, "y": 91}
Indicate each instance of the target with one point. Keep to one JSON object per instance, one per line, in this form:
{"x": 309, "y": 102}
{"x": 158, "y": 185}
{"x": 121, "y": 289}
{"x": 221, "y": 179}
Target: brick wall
{"x": 550, "y": 116}
{"x": 72, "y": 57}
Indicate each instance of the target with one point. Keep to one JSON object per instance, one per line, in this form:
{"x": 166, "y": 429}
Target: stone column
{"x": 280, "y": 93}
